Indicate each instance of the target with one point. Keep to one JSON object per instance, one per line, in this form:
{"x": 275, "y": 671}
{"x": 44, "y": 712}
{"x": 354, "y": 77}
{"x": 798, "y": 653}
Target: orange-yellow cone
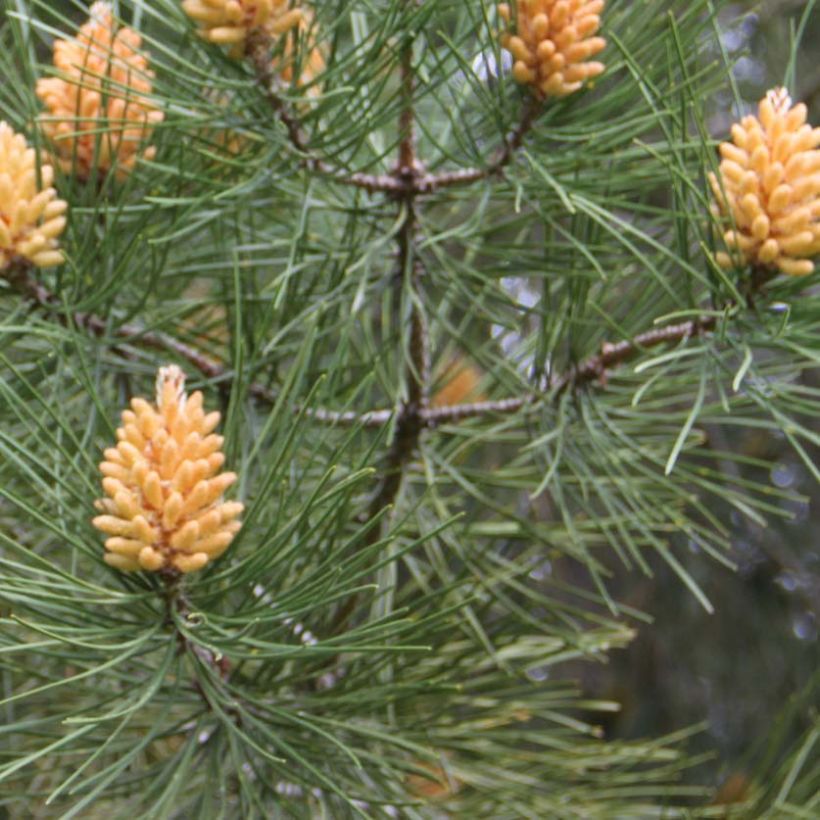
{"x": 458, "y": 382}
{"x": 99, "y": 111}
{"x": 551, "y": 42}
{"x": 768, "y": 185}
{"x": 313, "y": 61}
{"x": 231, "y": 22}
{"x": 31, "y": 216}
{"x": 432, "y": 782}
{"x": 164, "y": 508}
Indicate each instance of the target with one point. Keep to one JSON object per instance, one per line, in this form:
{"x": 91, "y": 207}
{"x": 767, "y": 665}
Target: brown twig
{"x": 590, "y": 370}
{"x": 21, "y": 279}
{"x": 371, "y": 418}
{"x": 433, "y": 416}
{"x": 616, "y": 353}
{"x": 425, "y": 183}
{"x": 409, "y": 421}
{"x": 258, "y": 51}
{"x": 514, "y": 140}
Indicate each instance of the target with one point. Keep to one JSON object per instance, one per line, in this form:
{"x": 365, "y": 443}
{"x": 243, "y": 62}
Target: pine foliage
{"x": 387, "y": 633}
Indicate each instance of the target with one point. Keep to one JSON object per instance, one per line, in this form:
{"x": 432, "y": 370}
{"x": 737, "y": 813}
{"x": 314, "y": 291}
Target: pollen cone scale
{"x": 164, "y": 508}
{"x": 551, "y": 42}
{"x": 768, "y": 187}
{"x": 99, "y": 111}
{"x": 31, "y": 216}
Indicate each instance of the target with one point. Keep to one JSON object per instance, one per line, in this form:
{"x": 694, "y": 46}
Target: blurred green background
{"x": 734, "y": 670}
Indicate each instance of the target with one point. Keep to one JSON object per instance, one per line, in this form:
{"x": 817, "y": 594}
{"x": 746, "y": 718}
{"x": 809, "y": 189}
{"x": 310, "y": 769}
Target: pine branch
{"x": 592, "y": 369}
{"x": 433, "y": 416}
{"x": 409, "y": 424}
{"x": 371, "y": 418}
{"x": 177, "y": 606}
{"x": 176, "y": 602}
{"x": 238, "y": 689}
{"x": 258, "y": 50}
{"x": 450, "y": 179}
{"x": 21, "y": 278}
{"x": 415, "y": 412}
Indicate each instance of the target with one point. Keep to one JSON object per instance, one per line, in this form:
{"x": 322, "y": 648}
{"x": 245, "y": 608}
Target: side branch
{"x": 425, "y": 183}
{"x": 466, "y": 176}
{"x": 617, "y": 353}
{"x": 21, "y": 279}
{"x": 592, "y": 369}
{"x": 258, "y": 51}
{"x": 433, "y": 416}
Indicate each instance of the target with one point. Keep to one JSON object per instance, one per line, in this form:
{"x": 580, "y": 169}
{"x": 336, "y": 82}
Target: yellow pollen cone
{"x": 99, "y": 113}
{"x": 767, "y": 189}
{"x": 232, "y": 22}
{"x": 31, "y": 216}
{"x": 164, "y": 508}
{"x": 551, "y": 42}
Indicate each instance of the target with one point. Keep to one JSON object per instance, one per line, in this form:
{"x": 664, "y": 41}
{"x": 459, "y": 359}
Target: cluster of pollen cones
{"x": 551, "y": 42}
{"x": 31, "y": 216}
{"x": 232, "y": 22}
{"x": 768, "y": 187}
{"x": 99, "y": 112}
{"x": 164, "y": 508}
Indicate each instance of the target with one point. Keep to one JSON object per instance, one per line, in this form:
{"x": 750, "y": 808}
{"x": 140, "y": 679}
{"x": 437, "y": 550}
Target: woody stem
{"x": 407, "y": 288}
